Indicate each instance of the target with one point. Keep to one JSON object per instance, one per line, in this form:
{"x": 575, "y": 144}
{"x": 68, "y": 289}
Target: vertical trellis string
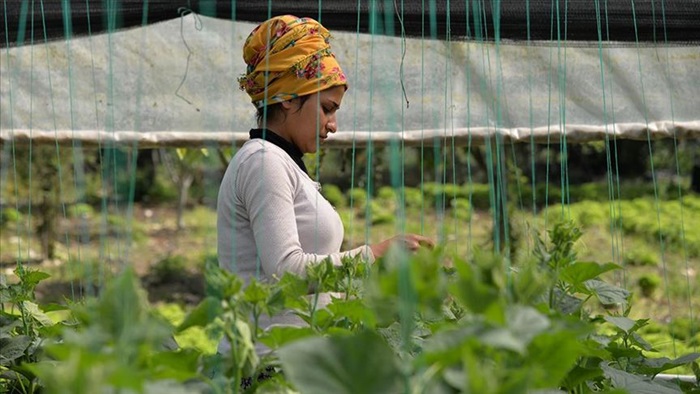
{"x": 653, "y": 171}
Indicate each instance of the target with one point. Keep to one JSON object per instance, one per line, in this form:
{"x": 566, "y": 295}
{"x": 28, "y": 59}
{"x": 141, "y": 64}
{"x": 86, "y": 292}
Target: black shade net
{"x": 656, "y": 21}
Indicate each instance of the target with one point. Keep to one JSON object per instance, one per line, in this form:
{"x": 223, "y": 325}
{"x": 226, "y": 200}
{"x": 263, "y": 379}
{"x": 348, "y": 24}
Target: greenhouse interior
{"x": 543, "y": 156}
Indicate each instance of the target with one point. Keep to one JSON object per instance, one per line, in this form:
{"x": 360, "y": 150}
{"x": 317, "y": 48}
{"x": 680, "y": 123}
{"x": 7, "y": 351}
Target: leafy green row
{"x": 670, "y": 222}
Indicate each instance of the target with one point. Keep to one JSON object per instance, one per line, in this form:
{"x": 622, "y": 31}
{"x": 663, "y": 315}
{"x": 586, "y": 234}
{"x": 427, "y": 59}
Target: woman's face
{"x": 315, "y": 118}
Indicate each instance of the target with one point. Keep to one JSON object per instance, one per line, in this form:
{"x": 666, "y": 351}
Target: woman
{"x": 272, "y": 218}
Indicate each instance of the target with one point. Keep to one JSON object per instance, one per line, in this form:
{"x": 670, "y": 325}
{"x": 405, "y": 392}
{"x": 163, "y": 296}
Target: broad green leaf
{"x": 392, "y": 335}
{"x": 618, "y": 350}
{"x": 353, "y": 311}
{"x": 275, "y": 386}
{"x": 203, "y": 314}
{"x": 256, "y": 292}
{"x": 320, "y": 318}
{"x": 122, "y": 376}
{"x": 555, "y": 353}
{"x": 177, "y": 365}
{"x": 653, "y": 366}
{"x": 294, "y": 288}
{"x": 480, "y": 373}
{"x": 53, "y": 307}
{"x": 221, "y": 283}
{"x": 181, "y": 153}
{"x": 339, "y": 332}
{"x": 275, "y": 301}
{"x": 445, "y": 346}
{"x": 38, "y": 315}
{"x": 32, "y": 278}
{"x": 7, "y": 325}
{"x": 341, "y": 365}
{"x": 123, "y": 306}
{"x": 600, "y": 339}
{"x": 579, "y": 272}
{"x": 579, "y": 375}
{"x": 565, "y": 303}
{"x": 278, "y": 336}
{"x": 623, "y": 323}
{"x": 608, "y": 294}
{"x": 456, "y": 378}
{"x": 52, "y": 331}
{"x": 636, "y": 383}
{"x": 13, "y": 348}
{"x": 477, "y": 296}
{"x": 526, "y": 322}
{"x": 13, "y": 376}
{"x": 502, "y": 338}
{"x": 641, "y": 342}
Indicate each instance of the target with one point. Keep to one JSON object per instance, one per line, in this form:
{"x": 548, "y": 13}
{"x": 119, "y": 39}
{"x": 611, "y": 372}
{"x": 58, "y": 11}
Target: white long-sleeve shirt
{"x": 273, "y": 219}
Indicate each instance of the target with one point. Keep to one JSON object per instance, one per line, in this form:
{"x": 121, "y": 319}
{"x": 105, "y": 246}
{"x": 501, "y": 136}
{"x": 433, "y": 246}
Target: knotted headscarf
{"x": 288, "y": 57}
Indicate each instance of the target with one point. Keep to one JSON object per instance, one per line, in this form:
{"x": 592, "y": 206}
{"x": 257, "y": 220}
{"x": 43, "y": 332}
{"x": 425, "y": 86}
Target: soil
{"x": 158, "y": 240}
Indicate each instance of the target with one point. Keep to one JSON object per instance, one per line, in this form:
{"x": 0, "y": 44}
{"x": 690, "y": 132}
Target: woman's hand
{"x": 411, "y": 242}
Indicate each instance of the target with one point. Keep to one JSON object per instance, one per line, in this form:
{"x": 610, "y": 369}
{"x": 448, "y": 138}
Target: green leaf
{"x": 641, "y": 342}
{"x": 275, "y": 386}
{"x": 123, "y": 306}
{"x": 122, "y": 375}
{"x": 7, "y": 325}
{"x": 13, "y": 375}
{"x": 608, "y": 294}
{"x": 456, "y": 378}
{"x": 566, "y": 303}
{"x": 177, "y": 365}
{"x": 53, "y": 307}
{"x": 294, "y": 289}
{"x": 221, "y": 283}
{"x": 635, "y": 383}
{"x": 278, "y": 336}
{"x": 244, "y": 347}
{"x": 445, "y": 346}
{"x": 203, "y": 314}
{"x": 653, "y": 366}
{"x": 341, "y": 365}
{"x": 580, "y": 374}
{"x": 555, "y": 354}
{"x": 13, "y": 348}
{"x": 526, "y": 322}
{"x": 33, "y": 310}
{"x": 502, "y": 338}
{"x": 623, "y": 323}
{"x": 353, "y": 311}
{"x": 618, "y": 350}
{"x": 256, "y": 292}
{"x": 476, "y": 295}
{"x": 579, "y": 272}
{"x": 32, "y": 278}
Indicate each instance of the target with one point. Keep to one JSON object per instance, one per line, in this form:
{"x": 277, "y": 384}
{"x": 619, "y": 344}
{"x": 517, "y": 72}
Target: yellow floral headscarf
{"x": 288, "y": 57}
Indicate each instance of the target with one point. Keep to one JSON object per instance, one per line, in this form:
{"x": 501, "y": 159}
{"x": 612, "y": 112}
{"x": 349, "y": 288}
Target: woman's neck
{"x": 277, "y": 128}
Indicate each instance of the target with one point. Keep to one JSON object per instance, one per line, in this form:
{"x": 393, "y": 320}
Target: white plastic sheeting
{"x": 174, "y": 83}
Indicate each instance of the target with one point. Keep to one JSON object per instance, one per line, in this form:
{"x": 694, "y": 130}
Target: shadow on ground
{"x": 186, "y": 289}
